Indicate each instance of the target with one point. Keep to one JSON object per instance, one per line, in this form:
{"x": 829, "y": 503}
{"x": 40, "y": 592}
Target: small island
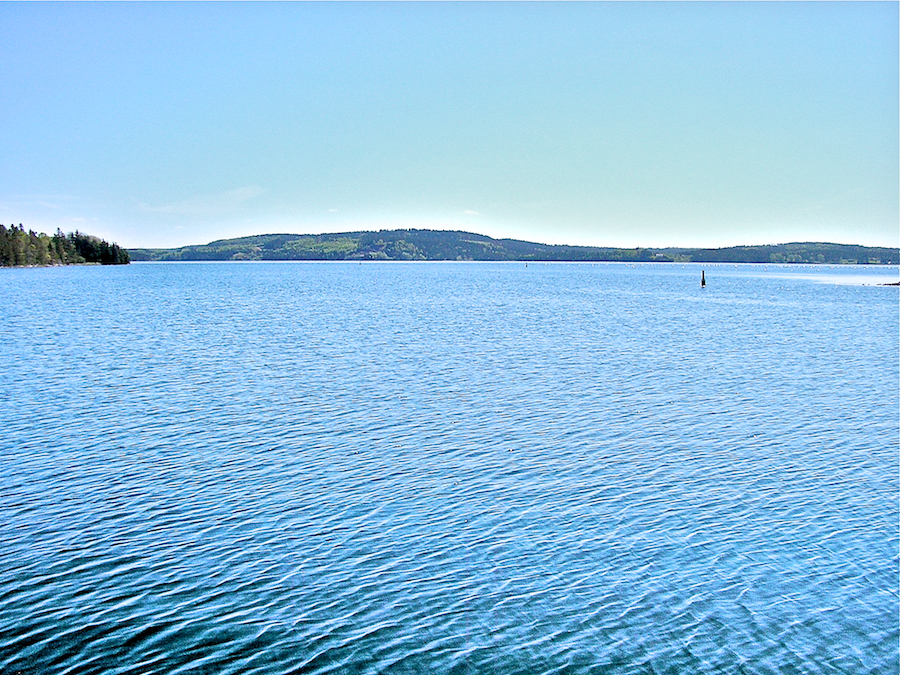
{"x": 21, "y": 248}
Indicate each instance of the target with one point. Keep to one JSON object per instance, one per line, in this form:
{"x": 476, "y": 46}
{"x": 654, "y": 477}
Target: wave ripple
{"x": 282, "y": 468}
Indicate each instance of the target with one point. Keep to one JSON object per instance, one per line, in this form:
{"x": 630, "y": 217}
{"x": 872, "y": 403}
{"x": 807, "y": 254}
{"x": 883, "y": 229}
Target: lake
{"x": 449, "y": 468}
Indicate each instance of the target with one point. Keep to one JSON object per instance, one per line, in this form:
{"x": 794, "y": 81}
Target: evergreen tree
{"x": 19, "y": 248}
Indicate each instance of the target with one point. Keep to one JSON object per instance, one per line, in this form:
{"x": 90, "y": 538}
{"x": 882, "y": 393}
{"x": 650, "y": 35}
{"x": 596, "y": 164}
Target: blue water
{"x": 449, "y": 468}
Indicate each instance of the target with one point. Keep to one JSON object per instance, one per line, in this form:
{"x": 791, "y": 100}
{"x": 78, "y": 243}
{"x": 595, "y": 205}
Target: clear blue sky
{"x": 619, "y": 124}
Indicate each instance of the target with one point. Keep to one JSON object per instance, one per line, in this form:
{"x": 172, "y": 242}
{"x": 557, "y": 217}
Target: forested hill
{"x": 21, "y": 248}
{"x": 444, "y": 245}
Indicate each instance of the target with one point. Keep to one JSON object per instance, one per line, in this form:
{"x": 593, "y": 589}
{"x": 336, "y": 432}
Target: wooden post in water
{"x": 702, "y": 278}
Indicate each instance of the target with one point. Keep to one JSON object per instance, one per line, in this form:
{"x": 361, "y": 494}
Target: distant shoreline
{"x": 442, "y": 245}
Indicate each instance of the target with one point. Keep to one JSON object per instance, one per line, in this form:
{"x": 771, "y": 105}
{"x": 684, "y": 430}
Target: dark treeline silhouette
{"x": 19, "y": 248}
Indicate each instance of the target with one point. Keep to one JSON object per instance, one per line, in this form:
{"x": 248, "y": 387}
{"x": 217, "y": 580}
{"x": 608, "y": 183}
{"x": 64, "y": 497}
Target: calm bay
{"x": 449, "y": 467}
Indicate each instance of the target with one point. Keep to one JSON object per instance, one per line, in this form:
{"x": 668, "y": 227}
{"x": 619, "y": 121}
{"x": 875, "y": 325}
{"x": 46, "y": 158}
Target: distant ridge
{"x": 453, "y": 245}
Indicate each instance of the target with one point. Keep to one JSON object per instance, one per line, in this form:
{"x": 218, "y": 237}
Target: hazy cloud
{"x": 47, "y": 201}
{"x": 207, "y": 205}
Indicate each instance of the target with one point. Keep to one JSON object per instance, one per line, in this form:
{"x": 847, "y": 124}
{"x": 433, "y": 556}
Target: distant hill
{"x": 452, "y": 245}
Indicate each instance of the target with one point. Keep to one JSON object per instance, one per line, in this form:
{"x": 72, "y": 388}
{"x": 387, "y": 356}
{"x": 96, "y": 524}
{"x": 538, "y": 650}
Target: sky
{"x": 607, "y": 124}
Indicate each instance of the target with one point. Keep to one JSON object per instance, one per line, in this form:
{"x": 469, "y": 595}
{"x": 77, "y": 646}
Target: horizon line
{"x": 527, "y": 241}
{"x": 477, "y": 234}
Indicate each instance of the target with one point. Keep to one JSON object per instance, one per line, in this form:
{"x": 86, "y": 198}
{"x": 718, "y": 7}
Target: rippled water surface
{"x": 448, "y": 468}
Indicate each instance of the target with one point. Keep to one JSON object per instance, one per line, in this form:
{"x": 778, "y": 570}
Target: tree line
{"x": 19, "y": 248}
